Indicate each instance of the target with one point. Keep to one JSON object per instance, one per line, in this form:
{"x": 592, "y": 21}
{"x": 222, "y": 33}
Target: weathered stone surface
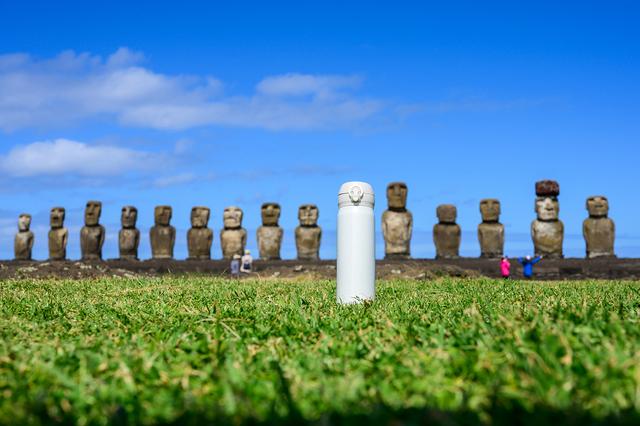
{"x": 23, "y": 243}
{"x": 447, "y": 213}
{"x": 598, "y": 230}
{"x": 547, "y": 188}
{"x": 162, "y": 234}
{"x": 547, "y": 238}
{"x": 308, "y": 234}
{"x": 270, "y": 234}
{"x": 397, "y": 222}
{"x": 490, "y": 231}
{"x": 129, "y": 236}
{"x": 92, "y": 233}
{"x": 233, "y": 238}
{"x": 58, "y": 234}
{"x": 199, "y": 237}
{"x": 447, "y": 233}
{"x": 547, "y": 231}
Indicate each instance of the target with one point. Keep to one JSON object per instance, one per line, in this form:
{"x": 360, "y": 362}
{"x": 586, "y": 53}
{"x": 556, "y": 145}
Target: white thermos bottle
{"x": 356, "y": 252}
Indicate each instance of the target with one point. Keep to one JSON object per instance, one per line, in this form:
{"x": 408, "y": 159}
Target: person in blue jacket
{"x": 527, "y": 265}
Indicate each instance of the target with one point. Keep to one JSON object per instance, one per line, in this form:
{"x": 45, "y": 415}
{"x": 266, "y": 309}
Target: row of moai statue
{"x": 547, "y": 230}
{"x": 233, "y": 237}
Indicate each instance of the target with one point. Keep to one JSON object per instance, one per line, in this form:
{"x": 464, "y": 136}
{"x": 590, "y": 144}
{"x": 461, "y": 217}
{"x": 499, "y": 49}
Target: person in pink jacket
{"x": 505, "y": 267}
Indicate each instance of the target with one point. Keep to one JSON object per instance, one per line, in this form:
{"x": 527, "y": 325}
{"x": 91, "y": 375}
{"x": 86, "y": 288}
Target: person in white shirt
{"x": 246, "y": 262}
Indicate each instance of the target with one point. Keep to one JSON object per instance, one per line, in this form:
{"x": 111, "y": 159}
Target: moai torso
{"x": 491, "y": 238}
{"x": 91, "y": 242}
{"x": 269, "y": 241}
{"x": 58, "y": 234}
{"x": 23, "y": 243}
{"x": 199, "y": 237}
{"x": 162, "y": 234}
{"x": 547, "y": 238}
{"x": 128, "y": 242}
{"x": 58, "y": 243}
{"x": 233, "y": 241}
{"x": 598, "y": 230}
{"x": 308, "y": 234}
{"x": 129, "y": 236}
{"x": 92, "y": 233}
{"x": 308, "y": 242}
{"x": 490, "y": 231}
{"x": 270, "y": 234}
{"x": 233, "y": 238}
{"x": 447, "y": 233}
{"x": 397, "y": 222}
{"x": 547, "y": 231}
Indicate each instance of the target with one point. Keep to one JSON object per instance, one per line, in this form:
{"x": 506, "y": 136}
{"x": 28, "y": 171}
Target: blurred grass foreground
{"x": 197, "y": 350}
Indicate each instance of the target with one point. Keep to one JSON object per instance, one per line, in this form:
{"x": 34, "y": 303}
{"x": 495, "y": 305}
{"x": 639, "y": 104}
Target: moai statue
{"x": 598, "y": 230}
{"x": 270, "y": 234}
{"x": 199, "y": 237}
{"x": 24, "y": 238}
{"x": 308, "y": 234}
{"x": 162, "y": 234}
{"x": 491, "y": 231}
{"x": 129, "y": 236}
{"x": 233, "y": 238}
{"x": 397, "y": 223}
{"x": 58, "y": 234}
{"x": 547, "y": 231}
{"x": 446, "y": 233}
{"x": 92, "y": 233}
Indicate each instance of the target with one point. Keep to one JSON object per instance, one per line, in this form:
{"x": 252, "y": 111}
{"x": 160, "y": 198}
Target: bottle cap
{"x": 356, "y": 194}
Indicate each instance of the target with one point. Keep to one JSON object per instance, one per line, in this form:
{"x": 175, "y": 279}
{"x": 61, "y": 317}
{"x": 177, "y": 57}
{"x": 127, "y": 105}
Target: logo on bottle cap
{"x": 356, "y": 193}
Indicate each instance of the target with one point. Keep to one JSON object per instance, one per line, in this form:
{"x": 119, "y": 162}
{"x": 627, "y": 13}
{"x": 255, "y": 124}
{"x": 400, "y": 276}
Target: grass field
{"x": 190, "y": 350}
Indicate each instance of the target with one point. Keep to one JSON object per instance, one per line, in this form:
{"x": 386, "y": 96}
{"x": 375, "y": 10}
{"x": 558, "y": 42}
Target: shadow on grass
{"x": 385, "y": 416}
{"x": 382, "y": 415}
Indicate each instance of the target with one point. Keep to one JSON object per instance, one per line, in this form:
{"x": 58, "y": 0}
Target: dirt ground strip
{"x": 564, "y": 269}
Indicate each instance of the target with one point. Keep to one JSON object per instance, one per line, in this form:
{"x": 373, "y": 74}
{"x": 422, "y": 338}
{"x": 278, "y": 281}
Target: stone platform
{"x": 547, "y": 269}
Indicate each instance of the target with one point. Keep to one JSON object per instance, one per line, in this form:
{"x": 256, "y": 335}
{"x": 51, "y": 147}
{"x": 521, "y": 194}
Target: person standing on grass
{"x": 246, "y": 262}
{"x": 505, "y": 267}
{"x": 527, "y": 265}
{"x": 235, "y": 266}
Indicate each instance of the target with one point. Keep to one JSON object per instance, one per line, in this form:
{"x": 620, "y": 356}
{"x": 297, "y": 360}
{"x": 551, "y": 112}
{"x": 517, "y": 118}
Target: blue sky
{"x": 201, "y": 104}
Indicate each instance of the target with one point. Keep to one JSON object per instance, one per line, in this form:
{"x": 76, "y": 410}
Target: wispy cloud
{"x": 72, "y": 87}
{"x": 251, "y": 175}
{"x": 67, "y": 157}
{"x": 179, "y": 179}
{"x": 300, "y": 85}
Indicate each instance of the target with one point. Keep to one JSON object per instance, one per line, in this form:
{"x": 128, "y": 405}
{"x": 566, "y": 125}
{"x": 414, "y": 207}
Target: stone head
{"x": 232, "y": 217}
{"x": 547, "y": 208}
{"x": 24, "y": 222}
{"x": 490, "y": 209}
{"x": 129, "y": 217}
{"x": 92, "y": 213}
{"x": 162, "y": 215}
{"x": 270, "y": 214}
{"x": 308, "y": 214}
{"x": 397, "y": 195}
{"x": 447, "y": 213}
{"x": 200, "y": 217}
{"x": 56, "y": 217}
{"x": 598, "y": 206}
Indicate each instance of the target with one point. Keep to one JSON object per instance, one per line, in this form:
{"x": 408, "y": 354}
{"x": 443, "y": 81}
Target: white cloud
{"x": 180, "y": 179}
{"x": 72, "y": 87}
{"x": 66, "y": 157}
{"x": 302, "y": 84}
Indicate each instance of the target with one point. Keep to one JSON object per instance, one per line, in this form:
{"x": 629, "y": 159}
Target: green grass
{"x": 190, "y": 350}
